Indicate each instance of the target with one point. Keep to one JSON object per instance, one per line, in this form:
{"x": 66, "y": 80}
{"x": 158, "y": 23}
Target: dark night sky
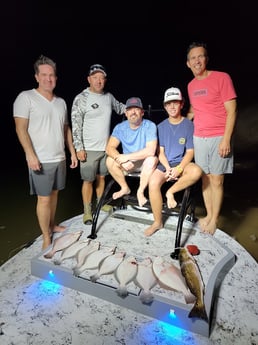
{"x": 144, "y": 50}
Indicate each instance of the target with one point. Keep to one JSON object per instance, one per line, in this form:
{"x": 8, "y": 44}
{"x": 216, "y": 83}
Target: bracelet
{"x": 179, "y": 168}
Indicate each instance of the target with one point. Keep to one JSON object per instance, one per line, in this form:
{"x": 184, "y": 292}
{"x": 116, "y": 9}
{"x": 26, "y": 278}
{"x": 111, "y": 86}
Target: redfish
{"x": 192, "y": 274}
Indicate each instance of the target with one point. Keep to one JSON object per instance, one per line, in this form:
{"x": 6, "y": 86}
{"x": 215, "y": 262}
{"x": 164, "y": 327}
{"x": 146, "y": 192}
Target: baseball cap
{"x": 133, "y": 102}
{"x": 172, "y": 94}
{"x": 97, "y": 68}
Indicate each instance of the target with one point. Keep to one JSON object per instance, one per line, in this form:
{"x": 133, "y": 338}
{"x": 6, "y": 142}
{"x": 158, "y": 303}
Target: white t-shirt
{"x": 46, "y": 123}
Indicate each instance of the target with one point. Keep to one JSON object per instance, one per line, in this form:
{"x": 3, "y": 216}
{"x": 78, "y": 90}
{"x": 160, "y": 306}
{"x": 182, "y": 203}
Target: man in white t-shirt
{"x": 42, "y": 128}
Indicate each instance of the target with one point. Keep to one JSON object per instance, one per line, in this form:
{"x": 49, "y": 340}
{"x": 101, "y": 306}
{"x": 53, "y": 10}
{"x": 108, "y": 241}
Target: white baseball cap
{"x": 172, "y": 94}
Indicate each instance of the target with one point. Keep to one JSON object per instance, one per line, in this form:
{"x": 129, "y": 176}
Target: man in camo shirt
{"x": 91, "y": 120}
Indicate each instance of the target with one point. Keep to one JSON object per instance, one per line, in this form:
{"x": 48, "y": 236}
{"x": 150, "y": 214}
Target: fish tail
{"x": 199, "y": 311}
{"x": 94, "y": 277}
{"x": 122, "y": 291}
{"x": 76, "y": 271}
{"x": 146, "y": 297}
{"x": 57, "y": 262}
{"x": 49, "y": 255}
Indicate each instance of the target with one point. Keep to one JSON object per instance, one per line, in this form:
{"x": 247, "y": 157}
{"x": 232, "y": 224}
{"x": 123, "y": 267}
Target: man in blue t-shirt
{"x": 176, "y": 153}
{"x": 138, "y": 138}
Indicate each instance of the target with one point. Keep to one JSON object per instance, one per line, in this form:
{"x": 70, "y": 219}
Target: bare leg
{"x": 100, "y": 186}
{"x": 53, "y": 206}
{"x": 148, "y": 167}
{"x": 87, "y": 192}
{"x": 118, "y": 175}
{"x": 191, "y": 175}
{"x": 213, "y": 192}
{"x": 43, "y": 211}
{"x": 156, "y": 181}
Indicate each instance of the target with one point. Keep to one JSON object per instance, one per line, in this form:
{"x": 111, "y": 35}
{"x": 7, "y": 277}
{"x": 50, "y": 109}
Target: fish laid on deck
{"x": 191, "y": 272}
{"x": 108, "y": 265}
{"x": 63, "y": 242}
{"x": 71, "y": 251}
{"x": 84, "y": 252}
{"x": 124, "y": 274}
{"x": 146, "y": 280}
{"x": 93, "y": 260}
{"x": 169, "y": 276}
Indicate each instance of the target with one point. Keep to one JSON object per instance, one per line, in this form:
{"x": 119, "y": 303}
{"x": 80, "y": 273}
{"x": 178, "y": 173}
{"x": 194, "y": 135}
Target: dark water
{"x": 18, "y": 222}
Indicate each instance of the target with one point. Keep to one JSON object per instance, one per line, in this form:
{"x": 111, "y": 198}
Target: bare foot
{"x": 141, "y": 198}
{"x": 203, "y": 223}
{"x": 152, "y": 229}
{"x": 120, "y": 193}
{"x": 210, "y": 228}
{"x": 171, "y": 202}
{"x": 59, "y": 228}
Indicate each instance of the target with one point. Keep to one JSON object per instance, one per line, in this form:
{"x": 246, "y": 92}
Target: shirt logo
{"x": 202, "y": 92}
{"x": 95, "y": 106}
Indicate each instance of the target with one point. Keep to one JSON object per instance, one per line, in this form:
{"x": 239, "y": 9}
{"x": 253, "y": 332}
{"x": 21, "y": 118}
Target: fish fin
{"x": 189, "y": 298}
{"x": 49, "y": 255}
{"x": 199, "y": 311}
{"x": 122, "y": 291}
{"x": 94, "y": 277}
{"x": 76, "y": 272}
{"x": 146, "y": 297}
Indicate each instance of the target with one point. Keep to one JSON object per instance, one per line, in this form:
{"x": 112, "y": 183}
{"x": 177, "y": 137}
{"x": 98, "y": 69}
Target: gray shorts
{"x": 93, "y": 166}
{"x": 52, "y": 176}
{"x": 206, "y": 155}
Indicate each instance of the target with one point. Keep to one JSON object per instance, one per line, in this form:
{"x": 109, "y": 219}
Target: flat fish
{"x": 93, "y": 260}
{"x": 63, "y": 242}
{"x": 108, "y": 265}
{"x": 146, "y": 280}
{"x": 124, "y": 274}
{"x": 71, "y": 251}
{"x": 171, "y": 277}
{"x": 84, "y": 252}
{"x": 192, "y": 274}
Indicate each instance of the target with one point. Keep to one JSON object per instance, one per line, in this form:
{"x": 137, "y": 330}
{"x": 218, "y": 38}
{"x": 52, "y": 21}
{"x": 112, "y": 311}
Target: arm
{"x": 69, "y": 144}
{"x": 149, "y": 150}
{"x": 190, "y": 114}
{"x": 231, "y": 109}
{"x": 21, "y": 127}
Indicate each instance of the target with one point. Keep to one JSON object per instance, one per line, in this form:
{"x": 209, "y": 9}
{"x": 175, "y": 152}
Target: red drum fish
{"x": 108, "y": 265}
{"x": 124, "y": 274}
{"x": 170, "y": 276}
{"x": 146, "y": 280}
{"x": 93, "y": 260}
{"x": 63, "y": 242}
{"x": 71, "y": 251}
{"x": 192, "y": 274}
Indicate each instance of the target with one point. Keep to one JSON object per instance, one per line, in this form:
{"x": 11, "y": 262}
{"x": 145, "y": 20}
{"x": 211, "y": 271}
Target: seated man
{"x": 138, "y": 138}
{"x": 176, "y": 153}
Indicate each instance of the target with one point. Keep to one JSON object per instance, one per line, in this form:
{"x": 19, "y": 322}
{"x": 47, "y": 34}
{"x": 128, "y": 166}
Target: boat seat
{"x": 185, "y": 209}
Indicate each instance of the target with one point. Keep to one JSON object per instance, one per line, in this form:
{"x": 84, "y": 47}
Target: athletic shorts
{"x": 93, "y": 166}
{"x": 206, "y": 155}
{"x": 52, "y": 176}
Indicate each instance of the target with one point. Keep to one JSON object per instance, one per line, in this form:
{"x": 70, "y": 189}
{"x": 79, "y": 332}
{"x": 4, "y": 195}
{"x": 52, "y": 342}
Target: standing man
{"x": 42, "y": 128}
{"x": 91, "y": 120}
{"x": 138, "y": 138}
{"x": 176, "y": 152}
{"x": 213, "y": 108}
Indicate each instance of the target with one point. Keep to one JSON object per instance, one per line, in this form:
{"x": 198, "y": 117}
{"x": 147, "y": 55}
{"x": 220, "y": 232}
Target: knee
{"x": 150, "y": 162}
